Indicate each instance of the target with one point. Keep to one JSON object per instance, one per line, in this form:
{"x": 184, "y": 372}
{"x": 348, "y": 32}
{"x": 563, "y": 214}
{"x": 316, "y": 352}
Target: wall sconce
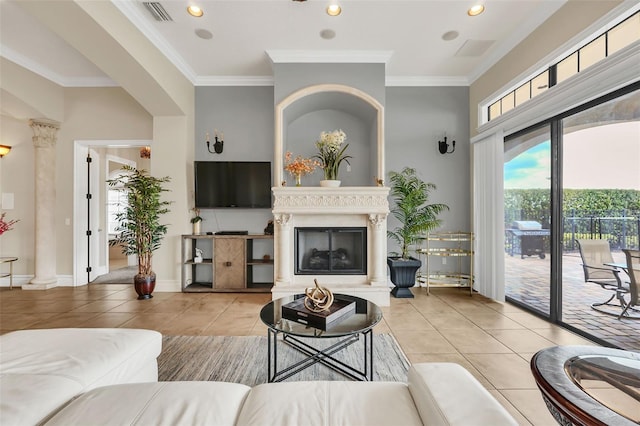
{"x": 145, "y": 152}
{"x": 218, "y": 143}
{"x": 443, "y": 146}
{"x": 4, "y": 150}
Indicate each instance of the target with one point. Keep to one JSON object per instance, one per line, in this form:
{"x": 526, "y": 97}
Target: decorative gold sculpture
{"x": 318, "y": 298}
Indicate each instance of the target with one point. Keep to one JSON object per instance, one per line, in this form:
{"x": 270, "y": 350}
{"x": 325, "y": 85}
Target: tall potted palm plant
{"x": 139, "y": 230}
{"x": 410, "y": 195}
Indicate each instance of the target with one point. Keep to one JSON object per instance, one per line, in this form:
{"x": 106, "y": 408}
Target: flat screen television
{"x": 233, "y": 184}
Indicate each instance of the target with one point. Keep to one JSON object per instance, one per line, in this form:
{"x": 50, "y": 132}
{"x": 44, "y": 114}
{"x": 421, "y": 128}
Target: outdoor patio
{"x": 527, "y": 280}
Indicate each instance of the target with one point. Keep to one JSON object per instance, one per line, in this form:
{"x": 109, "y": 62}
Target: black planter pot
{"x": 403, "y": 275}
{"x": 144, "y": 285}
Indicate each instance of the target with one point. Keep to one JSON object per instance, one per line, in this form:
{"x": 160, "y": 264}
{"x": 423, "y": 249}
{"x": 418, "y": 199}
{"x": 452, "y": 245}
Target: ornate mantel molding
{"x": 344, "y": 200}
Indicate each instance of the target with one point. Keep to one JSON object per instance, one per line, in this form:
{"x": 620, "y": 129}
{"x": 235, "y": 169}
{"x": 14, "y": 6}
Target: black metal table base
{"x": 323, "y": 356}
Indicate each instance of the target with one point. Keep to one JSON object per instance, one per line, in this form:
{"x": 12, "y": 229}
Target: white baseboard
{"x": 172, "y": 286}
{"x": 20, "y": 280}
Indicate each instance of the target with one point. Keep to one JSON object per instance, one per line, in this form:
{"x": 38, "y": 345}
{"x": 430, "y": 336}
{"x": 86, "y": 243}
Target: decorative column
{"x": 44, "y": 140}
{"x": 282, "y": 250}
{"x": 378, "y": 226}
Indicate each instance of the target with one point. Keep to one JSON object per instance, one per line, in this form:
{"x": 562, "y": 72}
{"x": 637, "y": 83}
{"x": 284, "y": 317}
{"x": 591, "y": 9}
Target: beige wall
{"x": 17, "y": 178}
{"x": 89, "y": 114}
{"x": 574, "y": 17}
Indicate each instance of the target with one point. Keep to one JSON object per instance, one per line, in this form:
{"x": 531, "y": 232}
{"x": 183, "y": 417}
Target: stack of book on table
{"x": 338, "y": 311}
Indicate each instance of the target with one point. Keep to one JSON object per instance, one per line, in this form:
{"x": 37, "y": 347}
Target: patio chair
{"x": 633, "y": 269}
{"x": 595, "y": 255}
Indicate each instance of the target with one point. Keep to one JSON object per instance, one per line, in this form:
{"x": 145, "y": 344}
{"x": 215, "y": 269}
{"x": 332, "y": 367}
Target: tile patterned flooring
{"x": 528, "y": 281}
{"x": 494, "y": 341}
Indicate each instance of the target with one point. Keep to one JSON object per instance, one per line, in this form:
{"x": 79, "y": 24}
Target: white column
{"x": 378, "y": 246}
{"x": 282, "y": 250}
{"x": 44, "y": 140}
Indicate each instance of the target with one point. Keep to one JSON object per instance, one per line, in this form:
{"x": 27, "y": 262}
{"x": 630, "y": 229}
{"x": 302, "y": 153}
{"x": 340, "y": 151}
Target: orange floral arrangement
{"x": 299, "y": 166}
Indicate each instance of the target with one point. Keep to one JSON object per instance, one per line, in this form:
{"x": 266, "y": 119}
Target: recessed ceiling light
{"x": 475, "y": 10}
{"x": 334, "y": 10}
{"x": 450, "y": 35}
{"x": 327, "y": 34}
{"x": 195, "y": 11}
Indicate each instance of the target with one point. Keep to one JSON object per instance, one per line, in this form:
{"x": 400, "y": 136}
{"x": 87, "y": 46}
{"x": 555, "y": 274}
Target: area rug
{"x": 243, "y": 359}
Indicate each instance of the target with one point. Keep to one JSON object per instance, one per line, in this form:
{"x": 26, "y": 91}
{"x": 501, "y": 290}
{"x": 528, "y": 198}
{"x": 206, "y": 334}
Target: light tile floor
{"x": 494, "y": 341}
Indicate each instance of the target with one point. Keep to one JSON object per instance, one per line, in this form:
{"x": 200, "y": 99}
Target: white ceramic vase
{"x": 330, "y": 183}
{"x": 196, "y": 227}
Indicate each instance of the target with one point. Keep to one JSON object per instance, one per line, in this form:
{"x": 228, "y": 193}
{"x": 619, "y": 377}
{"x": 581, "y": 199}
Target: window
{"x": 116, "y": 203}
{"x": 593, "y": 51}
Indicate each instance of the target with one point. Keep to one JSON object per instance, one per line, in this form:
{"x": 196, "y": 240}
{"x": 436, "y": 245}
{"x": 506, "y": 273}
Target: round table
{"x": 589, "y": 385}
{"x": 346, "y": 330}
{"x": 9, "y": 260}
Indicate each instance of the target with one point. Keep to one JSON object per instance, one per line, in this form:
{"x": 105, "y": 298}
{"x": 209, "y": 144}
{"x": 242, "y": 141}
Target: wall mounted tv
{"x": 233, "y": 184}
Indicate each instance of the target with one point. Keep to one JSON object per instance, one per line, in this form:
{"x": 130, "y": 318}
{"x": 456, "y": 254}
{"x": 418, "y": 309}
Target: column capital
{"x": 44, "y": 132}
{"x": 377, "y": 220}
{"x": 282, "y": 219}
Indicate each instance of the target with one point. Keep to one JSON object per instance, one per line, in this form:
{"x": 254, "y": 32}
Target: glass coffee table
{"x": 589, "y": 385}
{"x": 345, "y": 331}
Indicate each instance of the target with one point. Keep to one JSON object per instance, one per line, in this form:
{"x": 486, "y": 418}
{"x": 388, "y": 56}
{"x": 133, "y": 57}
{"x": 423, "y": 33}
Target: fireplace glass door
{"x": 331, "y": 251}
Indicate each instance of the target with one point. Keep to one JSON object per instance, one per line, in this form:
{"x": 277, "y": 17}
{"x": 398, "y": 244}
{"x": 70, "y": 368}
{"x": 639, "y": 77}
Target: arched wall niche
{"x": 329, "y": 97}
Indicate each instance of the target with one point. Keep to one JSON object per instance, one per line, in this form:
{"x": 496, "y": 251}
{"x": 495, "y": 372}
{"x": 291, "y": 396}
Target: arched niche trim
{"x": 278, "y": 162}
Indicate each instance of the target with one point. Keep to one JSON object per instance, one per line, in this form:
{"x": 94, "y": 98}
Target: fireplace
{"x": 363, "y": 206}
{"x": 353, "y": 219}
{"x": 330, "y": 251}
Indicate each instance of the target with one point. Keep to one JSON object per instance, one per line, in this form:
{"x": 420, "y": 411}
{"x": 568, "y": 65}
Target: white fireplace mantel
{"x": 318, "y": 207}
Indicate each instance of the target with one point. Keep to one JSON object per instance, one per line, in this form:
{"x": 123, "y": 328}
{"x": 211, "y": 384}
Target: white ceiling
{"x": 243, "y": 30}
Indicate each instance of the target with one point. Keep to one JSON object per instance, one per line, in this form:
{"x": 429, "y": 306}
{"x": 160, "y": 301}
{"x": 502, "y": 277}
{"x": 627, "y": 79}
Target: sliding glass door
{"x": 527, "y": 210}
{"x": 601, "y": 202}
{"x": 572, "y": 178}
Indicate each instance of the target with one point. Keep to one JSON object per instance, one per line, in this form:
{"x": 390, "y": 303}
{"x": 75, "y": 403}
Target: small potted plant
{"x": 410, "y": 195}
{"x": 331, "y": 153}
{"x": 196, "y": 221}
{"x": 139, "y": 230}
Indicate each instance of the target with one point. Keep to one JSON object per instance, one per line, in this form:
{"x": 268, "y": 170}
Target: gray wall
{"x": 369, "y": 78}
{"x": 245, "y": 115}
{"x": 416, "y": 118}
{"x": 303, "y": 132}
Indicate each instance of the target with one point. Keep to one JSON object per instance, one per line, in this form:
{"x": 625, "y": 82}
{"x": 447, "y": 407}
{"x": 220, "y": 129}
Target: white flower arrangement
{"x": 331, "y": 152}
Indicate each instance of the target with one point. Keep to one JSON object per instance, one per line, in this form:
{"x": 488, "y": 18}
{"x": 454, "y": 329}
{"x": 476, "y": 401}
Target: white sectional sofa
{"x": 109, "y": 376}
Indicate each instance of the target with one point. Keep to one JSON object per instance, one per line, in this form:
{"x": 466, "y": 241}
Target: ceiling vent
{"x": 474, "y": 48}
{"x": 157, "y": 11}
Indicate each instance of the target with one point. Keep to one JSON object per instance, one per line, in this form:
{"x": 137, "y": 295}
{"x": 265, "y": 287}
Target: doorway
{"x": 93, "y": 161}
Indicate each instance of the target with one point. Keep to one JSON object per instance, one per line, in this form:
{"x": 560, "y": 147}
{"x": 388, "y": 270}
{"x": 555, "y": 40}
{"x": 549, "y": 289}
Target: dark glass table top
{"x": 367, "y": 315}
{"x": 611, "y": 380}
{"x": 590, "y": 384}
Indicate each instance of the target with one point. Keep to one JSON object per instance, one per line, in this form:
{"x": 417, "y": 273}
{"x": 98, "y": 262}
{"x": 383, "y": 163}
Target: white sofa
{"x": 41, "y": 370}
{"x": 109, "y": 376}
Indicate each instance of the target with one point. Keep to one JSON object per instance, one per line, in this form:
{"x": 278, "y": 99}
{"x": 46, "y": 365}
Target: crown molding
{"x": 133, "y": 13}
{"x": 51, "y": 75}
{"x": 329, "y": 56}
{"x": 425, "y": 81}
{"x": 234, "y": 80}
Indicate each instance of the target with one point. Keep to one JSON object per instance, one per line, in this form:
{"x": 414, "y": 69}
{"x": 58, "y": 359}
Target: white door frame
{"x": 80, "y": 150}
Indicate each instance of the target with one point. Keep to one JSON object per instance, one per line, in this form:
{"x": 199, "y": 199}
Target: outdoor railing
{"x": 621, "y": 228}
